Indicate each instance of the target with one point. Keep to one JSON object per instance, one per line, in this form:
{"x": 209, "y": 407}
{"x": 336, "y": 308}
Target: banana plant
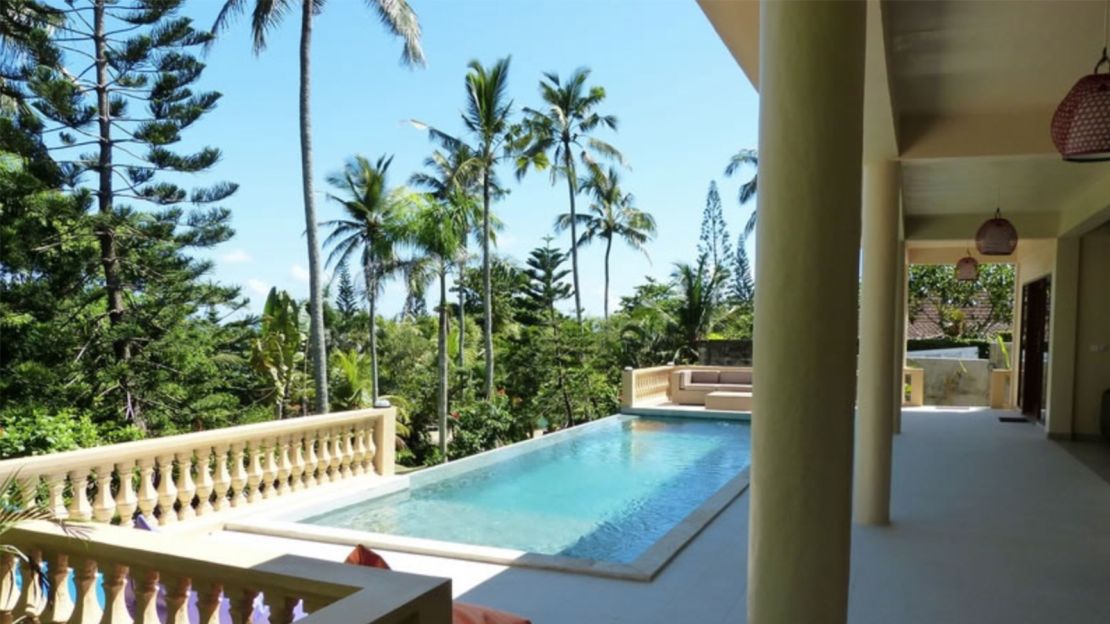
{"x": 278, "y": 350}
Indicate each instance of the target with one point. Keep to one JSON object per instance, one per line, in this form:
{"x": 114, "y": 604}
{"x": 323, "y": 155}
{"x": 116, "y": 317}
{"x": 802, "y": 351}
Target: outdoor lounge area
{"x": 813, "y": 487}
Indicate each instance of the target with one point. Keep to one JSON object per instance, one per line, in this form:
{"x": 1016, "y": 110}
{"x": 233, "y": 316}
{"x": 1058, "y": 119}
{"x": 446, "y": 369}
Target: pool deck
{"x": 992, "y": 523}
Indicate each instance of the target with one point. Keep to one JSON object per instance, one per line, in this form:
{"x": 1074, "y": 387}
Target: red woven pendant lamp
{"x": 967, "y": 268}
{"x": 1081, "y": 124}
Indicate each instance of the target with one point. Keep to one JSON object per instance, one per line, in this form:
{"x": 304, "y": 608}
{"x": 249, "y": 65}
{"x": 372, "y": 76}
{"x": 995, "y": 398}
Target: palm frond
{"x": 401, "y": 21}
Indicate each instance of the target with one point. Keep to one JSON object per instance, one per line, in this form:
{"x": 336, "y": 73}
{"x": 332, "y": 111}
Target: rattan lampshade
{"x": 967, "y": 269}
{"x": 996, "y": 237}
{"x": 1081, "y": 125}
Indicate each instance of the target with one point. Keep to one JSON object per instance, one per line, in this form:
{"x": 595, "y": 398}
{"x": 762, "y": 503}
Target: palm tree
{"x": 551, "y": 136}
{"x": 487, "y": 118}
{"x": 451, "y": 179}
{"x": 612, "y": 215}
{"x": 748, "y": 189}
{"x": 373, "y": 229}
{"x": 400, "y": 20}
{"x": 700, "y": 290}
{"x": 438, "y": 230}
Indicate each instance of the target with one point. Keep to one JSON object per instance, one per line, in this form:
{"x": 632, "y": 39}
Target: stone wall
{"x": 725, "y": 352}
{"x": 955, "y": 381}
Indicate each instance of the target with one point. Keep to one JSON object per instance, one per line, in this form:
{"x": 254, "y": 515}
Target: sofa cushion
{"x": 736, "y": 377}
{"x": 704, "y": 376}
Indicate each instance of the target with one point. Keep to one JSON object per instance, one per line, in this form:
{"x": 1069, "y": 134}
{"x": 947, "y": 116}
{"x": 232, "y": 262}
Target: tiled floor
{"x": 992, "y": 523}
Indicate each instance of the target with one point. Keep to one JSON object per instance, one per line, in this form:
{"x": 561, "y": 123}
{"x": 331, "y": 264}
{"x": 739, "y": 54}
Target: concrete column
{"x": 1059, "y": 420}
{"x": 901, "y": 308}
{"x": 878, "y": 303}
{"x": 810, "y": 150}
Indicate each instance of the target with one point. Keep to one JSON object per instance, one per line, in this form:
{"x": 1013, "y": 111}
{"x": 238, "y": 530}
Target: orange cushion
{"x": 463, "y": 613}
{"x": 363, "y": 556}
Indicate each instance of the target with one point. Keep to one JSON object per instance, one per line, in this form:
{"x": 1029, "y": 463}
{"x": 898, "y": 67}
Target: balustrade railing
{"x": 114, "y": 575}
{"x": 182, "y": 477}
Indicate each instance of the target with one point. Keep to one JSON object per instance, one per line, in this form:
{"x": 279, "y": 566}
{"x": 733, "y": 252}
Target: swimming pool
{"x": 611, "y": 495}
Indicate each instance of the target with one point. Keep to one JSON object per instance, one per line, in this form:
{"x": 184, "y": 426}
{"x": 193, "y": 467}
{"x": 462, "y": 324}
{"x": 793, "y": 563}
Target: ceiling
{"x": 976, "y": 56}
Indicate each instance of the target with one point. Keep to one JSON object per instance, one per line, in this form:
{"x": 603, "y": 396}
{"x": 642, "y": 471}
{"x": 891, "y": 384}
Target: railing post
{"x": 385, "y": 432}
{"x": 628, "y": 387}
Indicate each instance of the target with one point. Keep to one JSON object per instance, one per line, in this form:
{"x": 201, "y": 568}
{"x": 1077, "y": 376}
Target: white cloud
{"x": 299, "y": 273}
{"x": 237, "y": 256}
{"x": 258, "y": 287}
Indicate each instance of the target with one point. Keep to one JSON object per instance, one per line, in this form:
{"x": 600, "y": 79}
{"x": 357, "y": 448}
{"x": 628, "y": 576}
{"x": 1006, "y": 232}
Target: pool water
{"x": 605, "y": 494}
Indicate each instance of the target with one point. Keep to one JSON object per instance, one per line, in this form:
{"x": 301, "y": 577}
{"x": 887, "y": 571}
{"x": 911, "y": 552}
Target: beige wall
{"x": 1092, "y": 368}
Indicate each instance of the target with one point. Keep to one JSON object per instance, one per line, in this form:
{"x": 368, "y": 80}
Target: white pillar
{"x": 810, "y": 150}
{"x": 878, "y": 296}
{"x": 901, "y": 309}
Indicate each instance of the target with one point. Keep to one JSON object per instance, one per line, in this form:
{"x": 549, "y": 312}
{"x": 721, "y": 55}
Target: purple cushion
{"x": 736, "y": 377}
{"x": 704, "y": 376}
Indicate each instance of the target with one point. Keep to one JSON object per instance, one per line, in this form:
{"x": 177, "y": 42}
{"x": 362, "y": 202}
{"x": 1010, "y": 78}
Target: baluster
{"x": 371, "y": 448}
{"x": 296, "y": 454}
{"x": 79, "y": 507}
{"x": 358, "y": 465}
{"x": 177, "y": 599}
{"x": 238, "y": 475}
{"x": 285, "y": 465}
{"x": 208, "y": 602}
{"x": 28, "y": 491}
{"x": 222, "y": 481}
{"x": 167, "y": 492}
{"x": 204, "y": 480}
{"x": 86, "y": 609}
{"x": 60, "y": 605}
{"x": 338, "y": 455}
{"x": 186, "y": 488}
{"x": 126, "y": 500}
{"x": 145, "y": 584}
{"x": 254, "y": 473}
{"x": 269, "y": 467}
{"x": 148, "y": 496}
{"x": 115, "y": 603}
{"x": 56, "y": 484}
{"x": 104, "y": 506}
{"x": 242, "y": 605}
{"x": 325, "y": 456}
{"x": 32, "y": 601}
{"x": 281, "y": 607}
{"x": 313, "y": 460}
{"x": 9, "y": 594}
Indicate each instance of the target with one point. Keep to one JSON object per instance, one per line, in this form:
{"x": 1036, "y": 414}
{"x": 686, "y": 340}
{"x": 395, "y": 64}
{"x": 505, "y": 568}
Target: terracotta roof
{"x": 923, "y": 326}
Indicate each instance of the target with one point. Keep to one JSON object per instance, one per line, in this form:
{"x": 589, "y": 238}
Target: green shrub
{"x": 35, "y": 430}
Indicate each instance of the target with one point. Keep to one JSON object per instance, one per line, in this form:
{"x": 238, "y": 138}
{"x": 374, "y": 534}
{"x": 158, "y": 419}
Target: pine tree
{"x": 124, "y": 88}
{"x": 714, "y": 245}
{"x": 743, "y": 286}
{"x": 346, "y": 299}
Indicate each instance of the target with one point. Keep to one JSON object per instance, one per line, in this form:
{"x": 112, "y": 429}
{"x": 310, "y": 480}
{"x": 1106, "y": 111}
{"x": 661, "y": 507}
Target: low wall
{"x": 956, "y": 382}
{"x": 725, "y": 352}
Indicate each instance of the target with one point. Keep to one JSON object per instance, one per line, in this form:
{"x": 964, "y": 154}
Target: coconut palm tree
{"x": 553, "y": 135}
{"x": 612, "y": 215}
{"x": 700, "y": 290}
{"x": 744, "y": 158}
{"x": 438, "y": 230}
{"x": 400, "y": 20}
{"x": 372, "y": 230}
{"x": 451, "y": 179}
{"x": 487, "y": 118}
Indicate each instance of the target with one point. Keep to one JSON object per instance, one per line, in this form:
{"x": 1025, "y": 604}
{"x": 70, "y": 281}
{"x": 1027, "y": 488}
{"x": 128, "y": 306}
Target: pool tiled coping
{"x": 286, "y": 523}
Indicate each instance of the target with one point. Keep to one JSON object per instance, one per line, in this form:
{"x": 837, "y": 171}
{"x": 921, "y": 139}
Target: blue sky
{"x": 683, "y": 103}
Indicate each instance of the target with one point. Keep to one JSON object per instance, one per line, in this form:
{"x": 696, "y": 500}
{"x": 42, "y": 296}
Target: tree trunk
{"x": 441, "y": 397}
{"x": 315, "y": 277}
{"x": 372, "y": 300}
{"x": 561, "y": 378}
{"x": 462, "y": 312}
{"x": 105, "y": 231}
{"x": 573, "y": 230}
{"x": 608, "y": 248}
{"x": 487, "y": 288}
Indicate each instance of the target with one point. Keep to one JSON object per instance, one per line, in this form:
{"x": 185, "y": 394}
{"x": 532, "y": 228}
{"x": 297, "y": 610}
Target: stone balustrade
{"x": 146, "y": 577}
{"x": 182, "y": 477}
{"x": 640, "y": 386}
